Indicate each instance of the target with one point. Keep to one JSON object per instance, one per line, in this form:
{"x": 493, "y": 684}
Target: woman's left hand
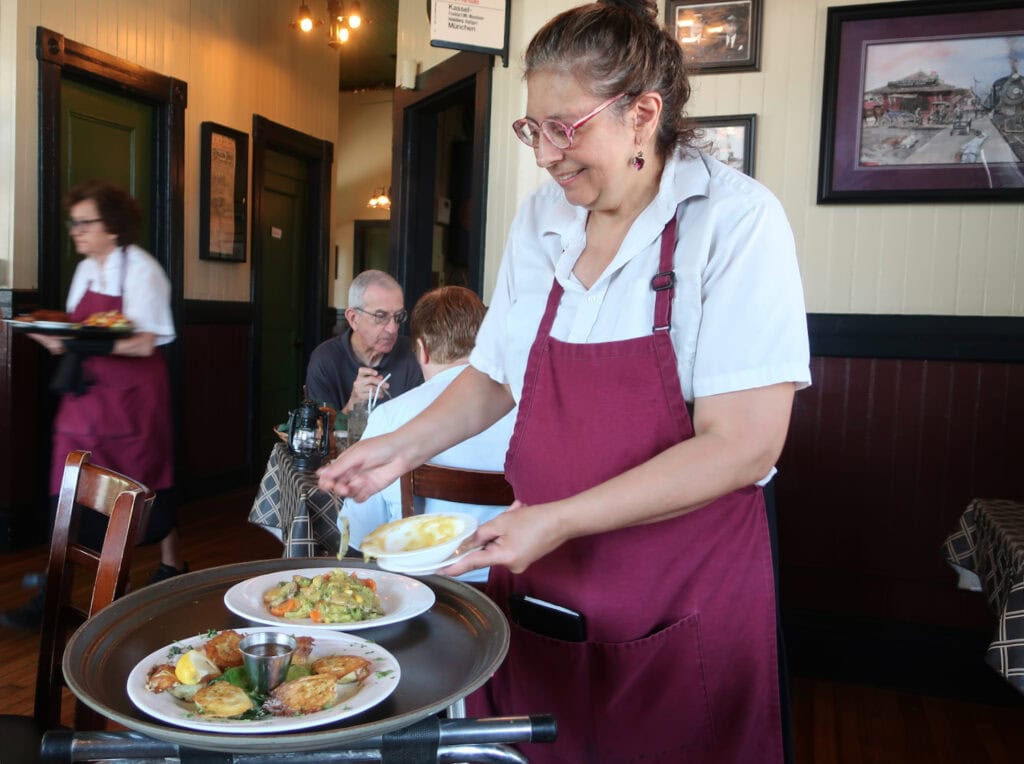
{"x": 514, "y": 539}
{"x": 55, "y": 345}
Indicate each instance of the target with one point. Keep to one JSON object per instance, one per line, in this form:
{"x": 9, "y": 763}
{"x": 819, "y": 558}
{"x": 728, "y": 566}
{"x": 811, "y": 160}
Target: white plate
{"x": 400, "y": 596}
{"x": 54, "y": 324}
{"x": 425, "y": 570}
{"x": 381, "y": 682}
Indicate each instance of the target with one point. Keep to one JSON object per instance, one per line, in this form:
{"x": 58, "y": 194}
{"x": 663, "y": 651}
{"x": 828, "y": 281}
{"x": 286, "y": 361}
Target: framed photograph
{"x": 717, "y": 36}
{"x": 728, "y": 139}
{"x": 923, "y": 102}
{"x": 223, "y": 193}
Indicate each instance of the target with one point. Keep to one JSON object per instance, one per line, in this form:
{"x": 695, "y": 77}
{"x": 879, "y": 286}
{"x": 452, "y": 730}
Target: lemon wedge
{"x": 193, "y": 666}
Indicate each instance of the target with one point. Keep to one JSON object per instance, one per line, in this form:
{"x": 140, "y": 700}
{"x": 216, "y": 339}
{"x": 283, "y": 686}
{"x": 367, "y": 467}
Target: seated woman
{"x": 444, "y": 326}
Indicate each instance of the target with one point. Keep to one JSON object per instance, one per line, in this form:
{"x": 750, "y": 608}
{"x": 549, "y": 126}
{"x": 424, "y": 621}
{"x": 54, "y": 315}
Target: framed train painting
{"x": 923, "y": 102}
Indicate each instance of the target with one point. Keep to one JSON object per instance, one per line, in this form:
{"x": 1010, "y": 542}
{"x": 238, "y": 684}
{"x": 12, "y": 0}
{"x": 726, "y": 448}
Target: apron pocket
{"x": 106, "y": 411}
{"x": 657, "y": 685}
{"x": 643, "y": 700}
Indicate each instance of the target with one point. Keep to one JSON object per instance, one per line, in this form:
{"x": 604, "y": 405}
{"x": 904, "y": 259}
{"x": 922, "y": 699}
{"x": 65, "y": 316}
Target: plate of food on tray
{"x": 102, "y": 324}
{"x": 337, "y": 599}
{"x": 201, "y": 682}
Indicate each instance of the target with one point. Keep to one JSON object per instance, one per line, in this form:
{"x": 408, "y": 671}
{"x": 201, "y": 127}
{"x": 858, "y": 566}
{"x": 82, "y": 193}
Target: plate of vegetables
{"x": 337, "y": 599}
{"x": 200, "y": 683}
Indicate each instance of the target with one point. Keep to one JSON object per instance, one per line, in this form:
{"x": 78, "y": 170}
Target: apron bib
{"x": 124, "y": 418}
{"x": 680, "y": 658}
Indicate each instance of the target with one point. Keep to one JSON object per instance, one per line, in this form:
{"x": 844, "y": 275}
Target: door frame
{"x": 319, "y": 157}
{"x": 413, "y": 146}
{"x": 61, "y": 58}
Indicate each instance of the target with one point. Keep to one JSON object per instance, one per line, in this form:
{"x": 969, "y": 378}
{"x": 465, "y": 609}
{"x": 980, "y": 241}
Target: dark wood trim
{"x": 413, "y": 148}
{"x": 216, "y": 312}
{"x": 15, "y": 301}
{"x": 61, "y": 58}
{"x": 934, "y": 338}
{"x": 317, "y": 319}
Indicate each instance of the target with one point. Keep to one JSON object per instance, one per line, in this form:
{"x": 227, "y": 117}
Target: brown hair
{"x": 120, "y": 213}
{"x": 618, "y": 46}
{"x": 446, "y": 320}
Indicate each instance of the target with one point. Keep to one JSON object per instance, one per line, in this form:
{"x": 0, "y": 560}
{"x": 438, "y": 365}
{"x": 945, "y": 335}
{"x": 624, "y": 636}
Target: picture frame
{"x": 223, "y": 193}
{"x": 923, "y": 102}
{"x": 729, "y": 139}
{"x": 716, "y": 37}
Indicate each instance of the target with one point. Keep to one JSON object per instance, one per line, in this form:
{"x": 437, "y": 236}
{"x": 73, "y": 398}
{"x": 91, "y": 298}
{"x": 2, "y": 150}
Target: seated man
{"x": 444, "y": 326}
{"x": 345, "y": 369}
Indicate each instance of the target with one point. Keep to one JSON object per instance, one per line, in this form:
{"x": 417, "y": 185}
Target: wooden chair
{"x": 431, "y": 481}
{"x": 126, "y": 502}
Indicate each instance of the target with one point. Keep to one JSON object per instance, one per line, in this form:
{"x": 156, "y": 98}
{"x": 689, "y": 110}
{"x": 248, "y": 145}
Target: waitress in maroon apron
{"x": 119, "y": 407}
{"x": 647, "y": 280}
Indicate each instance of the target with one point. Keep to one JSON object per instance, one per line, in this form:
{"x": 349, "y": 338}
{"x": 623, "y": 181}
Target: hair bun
{"x": 648, "y": 8}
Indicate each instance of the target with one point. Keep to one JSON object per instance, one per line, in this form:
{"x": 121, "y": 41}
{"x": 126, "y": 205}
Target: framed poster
{"x": 923, "y": 102}
{"x": 223, "y": 193}
{"x": 729, "y": 139}
{"x": 717, "y": 36}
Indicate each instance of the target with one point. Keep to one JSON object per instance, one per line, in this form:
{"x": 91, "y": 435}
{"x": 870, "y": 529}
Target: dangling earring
{"x": 638, "y": 161}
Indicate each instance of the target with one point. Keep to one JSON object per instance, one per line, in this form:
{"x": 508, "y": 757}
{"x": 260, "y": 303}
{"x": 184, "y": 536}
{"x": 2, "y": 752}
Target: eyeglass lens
{"x": 381, "y": 317}
{"x": 72, "y": 224}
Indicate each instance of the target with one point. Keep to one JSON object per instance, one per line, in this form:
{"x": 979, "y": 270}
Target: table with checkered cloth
{"x": 990, "y": 544}
{"x": 288, "y": 499}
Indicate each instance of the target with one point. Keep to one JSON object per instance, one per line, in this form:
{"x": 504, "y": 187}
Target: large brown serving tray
{"x": 445, "y": 653}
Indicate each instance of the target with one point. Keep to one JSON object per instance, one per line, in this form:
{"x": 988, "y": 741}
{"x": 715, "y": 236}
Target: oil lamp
{"x": 309, "y": 432}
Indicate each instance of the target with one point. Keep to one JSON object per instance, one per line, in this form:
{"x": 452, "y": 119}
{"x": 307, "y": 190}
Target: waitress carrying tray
{"x": 444, "y": 654}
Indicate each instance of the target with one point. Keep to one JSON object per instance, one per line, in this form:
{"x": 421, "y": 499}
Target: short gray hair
{"x": 366, "y": 279}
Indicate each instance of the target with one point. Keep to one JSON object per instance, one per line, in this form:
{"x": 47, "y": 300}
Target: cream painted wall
{"x": 238, "y": 58}
{"x": 362, "y": 163}
{"x": 952, "y": 259}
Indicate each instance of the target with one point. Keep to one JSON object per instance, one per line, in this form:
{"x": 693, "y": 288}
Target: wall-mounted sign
{"x": 476, "y": 25}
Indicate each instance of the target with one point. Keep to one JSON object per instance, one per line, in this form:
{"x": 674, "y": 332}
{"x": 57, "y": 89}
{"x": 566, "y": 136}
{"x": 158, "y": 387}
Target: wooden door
{"x": 105, "y": 136}
{"x": 283, "y": 223}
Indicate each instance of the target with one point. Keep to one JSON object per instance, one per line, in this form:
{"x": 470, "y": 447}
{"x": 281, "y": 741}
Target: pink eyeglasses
{"x": 558, "y": 133}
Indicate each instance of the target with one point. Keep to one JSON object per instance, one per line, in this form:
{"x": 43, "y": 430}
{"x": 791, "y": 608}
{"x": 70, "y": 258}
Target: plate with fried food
{"x": 336, "y": 599}
{"x": 201, "y": 683}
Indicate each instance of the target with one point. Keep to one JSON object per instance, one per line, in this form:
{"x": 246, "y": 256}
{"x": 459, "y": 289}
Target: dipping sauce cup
{"x": 267, "y": 656}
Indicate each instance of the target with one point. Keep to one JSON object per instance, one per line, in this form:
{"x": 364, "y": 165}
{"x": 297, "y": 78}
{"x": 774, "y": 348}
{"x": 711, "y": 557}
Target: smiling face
{"x": 595, "y": 171}
{"x": 371, "y": 340}
{"x": 90, "y": 235}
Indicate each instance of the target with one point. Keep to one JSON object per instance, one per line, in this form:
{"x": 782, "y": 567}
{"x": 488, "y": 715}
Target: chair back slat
{"x": 464, "y": 486}
{"x": 126, "y": 502}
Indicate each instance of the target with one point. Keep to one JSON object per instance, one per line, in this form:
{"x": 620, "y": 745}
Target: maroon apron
{"x": 124, "y": 418}
{"x": 680, "y": 659}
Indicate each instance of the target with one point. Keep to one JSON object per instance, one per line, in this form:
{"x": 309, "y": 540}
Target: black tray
{"x": 445, "y": 654}
{"x": 63, "y": 329}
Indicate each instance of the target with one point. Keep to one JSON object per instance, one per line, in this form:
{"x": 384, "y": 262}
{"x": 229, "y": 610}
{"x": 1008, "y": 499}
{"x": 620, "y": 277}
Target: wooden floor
{"x": 833, "y": 723}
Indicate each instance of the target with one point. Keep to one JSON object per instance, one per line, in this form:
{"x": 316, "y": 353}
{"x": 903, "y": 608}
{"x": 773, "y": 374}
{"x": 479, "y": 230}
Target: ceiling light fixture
{"x": 339, "y": 22}
{"x": 304, "y": 21}
{"x": 380, "y": 200}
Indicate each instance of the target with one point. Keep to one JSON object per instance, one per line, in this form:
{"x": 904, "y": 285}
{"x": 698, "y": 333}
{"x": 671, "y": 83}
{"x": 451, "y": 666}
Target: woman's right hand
{"x": 364, "y": 469}
{"x": 53, "y": 344}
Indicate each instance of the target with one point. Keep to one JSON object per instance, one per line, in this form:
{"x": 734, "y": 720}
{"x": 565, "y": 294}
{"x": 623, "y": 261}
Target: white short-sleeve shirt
{"x": 738, "y": 317}
{"x": 147, "y": 290}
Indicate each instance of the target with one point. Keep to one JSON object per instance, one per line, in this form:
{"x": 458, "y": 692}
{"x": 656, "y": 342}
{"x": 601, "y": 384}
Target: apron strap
{"x": 664, "y": 281}
{"x": 124, "y": 270}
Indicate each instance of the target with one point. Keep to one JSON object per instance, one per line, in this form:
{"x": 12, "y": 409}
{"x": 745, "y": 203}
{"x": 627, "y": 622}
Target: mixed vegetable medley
{"x": 335, "y": 596}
